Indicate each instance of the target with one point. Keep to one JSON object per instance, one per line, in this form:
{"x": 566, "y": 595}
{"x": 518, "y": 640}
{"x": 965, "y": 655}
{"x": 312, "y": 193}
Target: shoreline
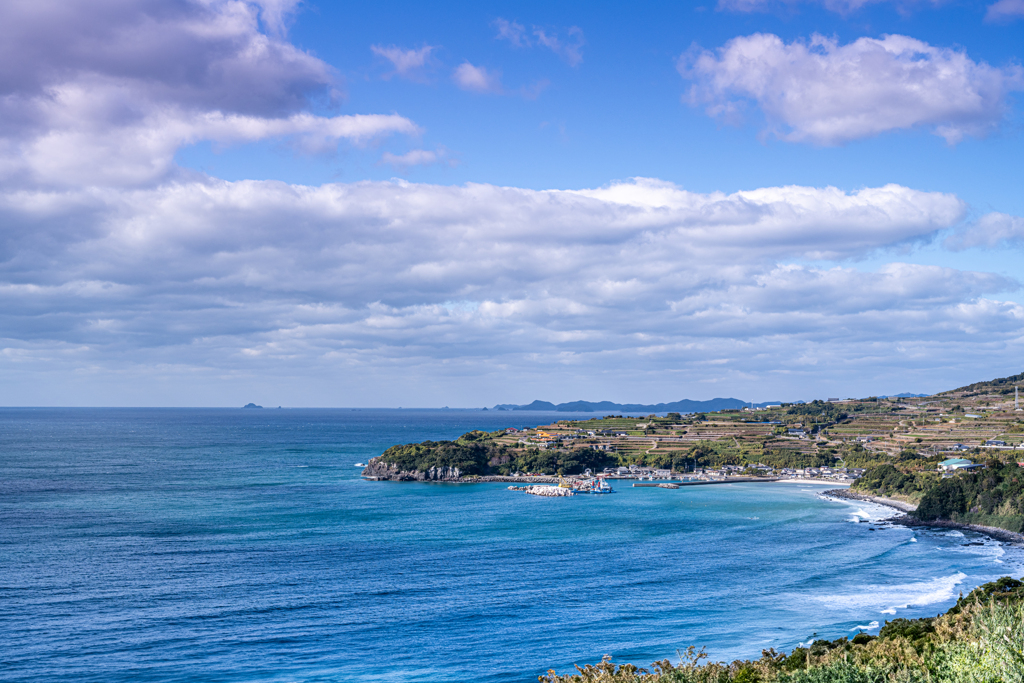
{"x": 1002, "y": 535}
{"x": 849, "y": 494}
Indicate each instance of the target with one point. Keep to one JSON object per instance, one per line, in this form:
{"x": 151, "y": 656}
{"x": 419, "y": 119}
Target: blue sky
{"x": 211, "y": 202}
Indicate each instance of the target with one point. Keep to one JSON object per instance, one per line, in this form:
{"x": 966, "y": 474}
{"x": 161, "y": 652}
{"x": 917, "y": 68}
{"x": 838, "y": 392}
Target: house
{"x": 956, "y": 464}
{"x": 959, "y": 447}
{"x": 796, "y": 432}
{"x": 995, "y": 442}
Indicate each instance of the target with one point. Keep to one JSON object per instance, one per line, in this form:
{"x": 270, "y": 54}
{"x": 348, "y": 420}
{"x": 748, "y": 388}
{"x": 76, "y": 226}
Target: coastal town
{"x": 834, "y": 441}
{"x": 960, "y": 423}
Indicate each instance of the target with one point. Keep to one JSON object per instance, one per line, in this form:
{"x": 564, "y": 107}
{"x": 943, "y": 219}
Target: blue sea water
{"x": 231, "y": 545}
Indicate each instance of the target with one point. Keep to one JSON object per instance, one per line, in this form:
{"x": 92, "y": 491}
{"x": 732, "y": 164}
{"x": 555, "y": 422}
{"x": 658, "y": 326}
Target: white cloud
{"x": 569, "y": 49}
{"x": 512, "y": 31}
{"x": 1005, "y": 10}
{"x": 991, "y": 230}
{"x": 407, "y": 63}
{"x": 108, "y": 93}
{"x": 477, "y": 78}
{"x": 825, "y": 93}
{"x": 840, "y": 6}
{"x": 416, "y": 157}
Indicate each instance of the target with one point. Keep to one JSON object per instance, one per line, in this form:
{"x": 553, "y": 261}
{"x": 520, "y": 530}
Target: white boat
{"x": 598, "y": 485}
{"x": 360, "y": 464}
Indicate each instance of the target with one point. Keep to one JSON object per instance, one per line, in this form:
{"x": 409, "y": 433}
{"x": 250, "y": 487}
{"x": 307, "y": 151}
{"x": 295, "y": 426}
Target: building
{"x": 995, "y": 442}
{"x": 957, "y": 464}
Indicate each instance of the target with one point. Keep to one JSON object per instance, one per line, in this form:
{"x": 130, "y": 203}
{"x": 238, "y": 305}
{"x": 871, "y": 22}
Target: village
{"x": 831, "y": 440}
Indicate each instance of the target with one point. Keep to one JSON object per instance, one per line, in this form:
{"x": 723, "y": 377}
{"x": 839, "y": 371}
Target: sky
{"x": 212, "y": 202}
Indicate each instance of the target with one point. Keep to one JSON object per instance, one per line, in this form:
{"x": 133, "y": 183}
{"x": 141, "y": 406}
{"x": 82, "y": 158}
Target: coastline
{"x": 1001, "y": 535}
{"x": 849, "y": 494}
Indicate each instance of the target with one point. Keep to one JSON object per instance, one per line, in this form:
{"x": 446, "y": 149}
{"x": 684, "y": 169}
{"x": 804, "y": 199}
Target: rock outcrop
{"x": 380, "y": 470}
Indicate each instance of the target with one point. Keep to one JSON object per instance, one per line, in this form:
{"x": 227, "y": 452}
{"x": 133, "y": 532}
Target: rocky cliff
{"x": 380, "y": 470}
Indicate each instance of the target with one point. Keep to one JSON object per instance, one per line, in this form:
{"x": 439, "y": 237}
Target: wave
{"x": 869, "y": 627}
{"x": 892, "y": 610}
{"x": 871, "y": 512}
{"x": 888, "y": 599}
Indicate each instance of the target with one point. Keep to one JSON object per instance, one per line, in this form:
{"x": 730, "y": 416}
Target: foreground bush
{"x": 980, "y": 640}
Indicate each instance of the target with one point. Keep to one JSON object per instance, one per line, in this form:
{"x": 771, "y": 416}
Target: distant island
{"x": 250, "y": 406}
{"x": 684, "y": 406}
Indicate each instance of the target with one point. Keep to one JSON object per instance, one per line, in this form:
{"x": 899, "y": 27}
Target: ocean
{"x": 242, "y": 545}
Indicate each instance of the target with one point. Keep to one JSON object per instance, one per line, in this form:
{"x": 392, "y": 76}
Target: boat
{"x": 360, "y": 464}
{"x": 597, "y": 485}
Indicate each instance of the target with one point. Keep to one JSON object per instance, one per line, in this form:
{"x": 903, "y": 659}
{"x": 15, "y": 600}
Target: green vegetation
{"x": 980, "y": 640}
{"x": 886, "y": 480}
{"x": 477, "y": 453}
{"x": 993, "y": 496}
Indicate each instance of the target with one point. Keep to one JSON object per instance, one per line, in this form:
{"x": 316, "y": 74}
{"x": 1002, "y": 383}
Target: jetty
{"x": 542, "y": 490}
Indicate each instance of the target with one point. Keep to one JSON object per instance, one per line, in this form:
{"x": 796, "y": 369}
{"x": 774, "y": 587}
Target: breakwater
{"x": 548, "y": 491}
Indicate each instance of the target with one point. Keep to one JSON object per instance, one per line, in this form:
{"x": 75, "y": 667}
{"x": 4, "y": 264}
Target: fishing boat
{"x": 597, "y": 485}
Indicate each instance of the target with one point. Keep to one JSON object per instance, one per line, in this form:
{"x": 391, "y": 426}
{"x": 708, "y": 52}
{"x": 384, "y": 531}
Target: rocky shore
{"x": 378, "y": 470}
{"x": 849, "y": 494}
{"x": 909, "y": 521}
{"x": 991, "y": 531}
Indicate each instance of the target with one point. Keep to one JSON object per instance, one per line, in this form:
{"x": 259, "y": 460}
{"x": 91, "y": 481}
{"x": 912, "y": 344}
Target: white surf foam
{"x": 866, "y": 511}
{"x": 869, "y": 627}
{"x": 887, "y": 599}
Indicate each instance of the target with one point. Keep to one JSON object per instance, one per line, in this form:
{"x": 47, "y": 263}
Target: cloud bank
{"x": 427, "y": 282}
{"x": 825, "y": 93}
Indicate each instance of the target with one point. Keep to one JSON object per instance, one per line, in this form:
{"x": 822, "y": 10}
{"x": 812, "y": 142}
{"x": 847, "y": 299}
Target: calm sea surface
{"x": 231, "y": 545}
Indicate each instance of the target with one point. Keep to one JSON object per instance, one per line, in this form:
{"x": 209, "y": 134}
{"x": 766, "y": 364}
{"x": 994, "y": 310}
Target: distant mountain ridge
{"x": 684, "y": 406}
